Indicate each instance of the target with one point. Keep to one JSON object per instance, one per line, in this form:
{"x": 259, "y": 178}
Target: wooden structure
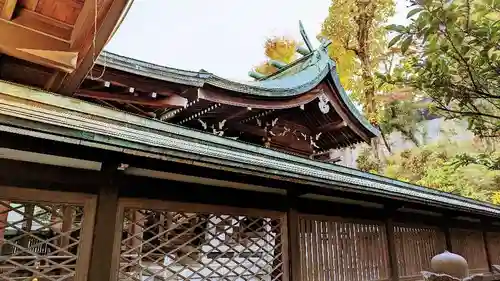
{"x": 301, "y": 109}
{"x": 89, "y": 192}
{"x": 53, "y": 44}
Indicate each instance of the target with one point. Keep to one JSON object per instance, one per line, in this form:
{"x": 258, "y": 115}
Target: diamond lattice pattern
{"x": 39, "y": 241}
{"x": 160, "y": 245}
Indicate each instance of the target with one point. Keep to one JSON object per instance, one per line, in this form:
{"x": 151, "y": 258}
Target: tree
{"x": 435, "y": 166}
{"x": 281, "y": 49}
{"x": 359, "y": 48}
{"x": 452, "y": 55}
{"x": 356, "y": 28}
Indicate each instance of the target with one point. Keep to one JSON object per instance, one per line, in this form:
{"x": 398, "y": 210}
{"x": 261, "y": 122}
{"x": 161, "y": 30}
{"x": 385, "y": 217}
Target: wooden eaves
{"x": 38, "y": 114}
{"x": 53, "y": 44}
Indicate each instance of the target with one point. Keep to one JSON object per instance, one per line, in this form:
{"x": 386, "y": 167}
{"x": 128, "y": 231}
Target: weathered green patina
{"x": 40, "y": 114}
{"x": 291, "y": 80}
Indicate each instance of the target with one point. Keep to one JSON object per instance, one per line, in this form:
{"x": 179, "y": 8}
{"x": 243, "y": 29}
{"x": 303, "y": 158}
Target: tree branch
{"x": 467, "y": 113}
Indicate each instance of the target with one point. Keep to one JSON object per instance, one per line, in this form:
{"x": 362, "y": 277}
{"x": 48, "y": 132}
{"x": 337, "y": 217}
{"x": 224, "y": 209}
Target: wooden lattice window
{"x": 335, "y": 249}
{"x": 415, "y": 247}
{"x": 470, "y": 245}
{"x": 172, "y": 241}
{"x": 44, "y": 235}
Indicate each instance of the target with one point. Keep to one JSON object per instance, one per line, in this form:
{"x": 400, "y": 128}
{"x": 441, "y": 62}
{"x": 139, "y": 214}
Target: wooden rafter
{"x": 171, "y": 101}
{"x": 32, "y": 45}
{"x": 51, "y": 26}
{"x": 88, "y": 43}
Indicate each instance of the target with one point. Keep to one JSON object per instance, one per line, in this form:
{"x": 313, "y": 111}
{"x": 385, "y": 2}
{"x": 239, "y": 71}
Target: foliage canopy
{"x": 452, "y": 55}
{"x": 440, "y": 166}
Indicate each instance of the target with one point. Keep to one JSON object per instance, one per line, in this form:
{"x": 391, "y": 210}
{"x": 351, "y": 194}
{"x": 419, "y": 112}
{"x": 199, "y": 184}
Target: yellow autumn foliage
{"x": 281, "y": 49}
{"x": 342, "y": 28}
{"x": 495, "y": 198}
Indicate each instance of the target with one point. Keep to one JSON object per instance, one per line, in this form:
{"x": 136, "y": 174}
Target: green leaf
{"x": 395, "y": 40}
{"x": 427, "y": 32}
{"x": 413, "y": 12}
{"x": 396, "y": 27}
{"x": 406, "y": 44}
{"x": 490, "y": 52}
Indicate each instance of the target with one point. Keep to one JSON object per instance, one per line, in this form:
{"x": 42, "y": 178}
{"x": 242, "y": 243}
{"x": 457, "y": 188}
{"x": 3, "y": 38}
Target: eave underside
{"x": 53, "y": 44}
{"x": 240, "y": 112}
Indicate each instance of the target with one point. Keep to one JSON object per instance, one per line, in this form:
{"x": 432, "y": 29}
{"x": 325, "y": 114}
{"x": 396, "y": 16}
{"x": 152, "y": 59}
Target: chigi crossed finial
{"x": 324, "y": 41}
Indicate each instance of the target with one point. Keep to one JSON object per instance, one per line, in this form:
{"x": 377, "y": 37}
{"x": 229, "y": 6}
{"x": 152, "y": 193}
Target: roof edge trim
{"x": 106, "y": 124}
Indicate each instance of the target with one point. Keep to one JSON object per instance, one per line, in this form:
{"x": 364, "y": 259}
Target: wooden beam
{"x": 33, "y": 20}
{"x": 171, "y": 101}
{"x": 62, "y": 60}
{"x": 15, "y": 36}
{"x": 35, "y": 46}
{"x": 8, "y": 9}
{"x": 224, "y": 98}
{"x": 237, "y": 114}
{"x": 84, "y": 40}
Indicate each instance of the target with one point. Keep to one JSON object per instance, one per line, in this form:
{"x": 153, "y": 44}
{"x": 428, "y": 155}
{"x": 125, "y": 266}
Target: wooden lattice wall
{"x": 172, "y": 241}
{"x": 414, "y": 248}
{"x": 470, "y": 245}
{"x": 340, "y": 250}
{"x": 45, "y": 235}
{"x": 49, "y": 235}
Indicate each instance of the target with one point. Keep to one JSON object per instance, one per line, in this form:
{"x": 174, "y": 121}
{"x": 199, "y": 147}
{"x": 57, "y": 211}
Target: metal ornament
{"x": 323, "y": 104}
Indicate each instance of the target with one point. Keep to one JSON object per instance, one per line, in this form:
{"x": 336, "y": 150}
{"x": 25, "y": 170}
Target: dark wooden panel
{"x": 23, "y": 72}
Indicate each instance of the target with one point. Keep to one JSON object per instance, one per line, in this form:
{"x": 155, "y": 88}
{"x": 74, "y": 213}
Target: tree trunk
{"x": 386, "y": 143}
{"x": 364, "y": 21}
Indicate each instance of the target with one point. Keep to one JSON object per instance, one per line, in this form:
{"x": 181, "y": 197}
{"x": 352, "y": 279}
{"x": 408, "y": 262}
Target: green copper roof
{"x": 296, "y": 79}
{"x": 291, "y": 80}
{"x": 45, "y": 115}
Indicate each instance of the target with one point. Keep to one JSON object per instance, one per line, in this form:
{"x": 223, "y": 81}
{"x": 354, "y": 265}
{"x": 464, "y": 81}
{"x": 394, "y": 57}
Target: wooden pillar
{"x": 487, "y": 249}
{"x": 4, "y": 214}
{"x": 447, "y": 238}
{"x": 67, "y": 225}
{"x": 293, "y": 245}
{"x": 29, "y": 211}
{"x": 391, "y": 245}
{"x": 108, "y": 224}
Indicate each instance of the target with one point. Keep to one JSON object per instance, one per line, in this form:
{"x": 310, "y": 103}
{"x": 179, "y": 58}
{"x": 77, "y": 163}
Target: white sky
{"x": 225, "y": 37}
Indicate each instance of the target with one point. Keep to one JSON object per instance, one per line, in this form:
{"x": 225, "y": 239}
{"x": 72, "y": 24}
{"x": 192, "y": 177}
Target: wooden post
{"x": 393, "y": 259}
{"x": 66, "y": 227}
{"x": 108, "y": 222}
{"x": 487, "y": 249}
{"x": 447, "y": 238}
{"x": 29, "y": 211}
{"x": 4, "y": 214}
{"x": 293, "y": 245}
